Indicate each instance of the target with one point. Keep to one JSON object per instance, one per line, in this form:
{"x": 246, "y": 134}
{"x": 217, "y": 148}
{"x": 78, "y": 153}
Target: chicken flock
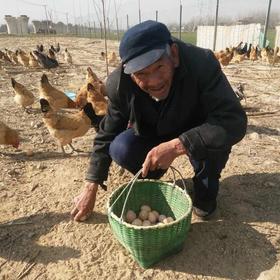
{"x": 245, "y": 51}
{"x": 90, "y": 104}
{"x": 85, "y": 111}
{"x": 47, "y": 59}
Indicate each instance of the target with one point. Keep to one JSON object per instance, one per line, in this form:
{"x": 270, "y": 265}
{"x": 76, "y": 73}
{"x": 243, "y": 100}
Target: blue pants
{"x": 130, "y": 151}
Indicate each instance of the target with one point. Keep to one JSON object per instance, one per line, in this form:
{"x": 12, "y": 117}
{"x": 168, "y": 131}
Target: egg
{"x": 152, "y": 217}
{"x": 161, "y": 218}
{"x": 29, "y": 153}
{"x": 130, "y": 216}
{"x": 137, "y": 222}
{"x": 146, "y": 208}
{"x": 143, "y": 215}
{"x": 146, "y": 223}
{"x": 168, "y": 220}
{"x": 156, "y": 214}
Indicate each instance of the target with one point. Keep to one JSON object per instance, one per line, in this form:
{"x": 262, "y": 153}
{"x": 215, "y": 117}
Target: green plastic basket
{"x": 148, "y": 245}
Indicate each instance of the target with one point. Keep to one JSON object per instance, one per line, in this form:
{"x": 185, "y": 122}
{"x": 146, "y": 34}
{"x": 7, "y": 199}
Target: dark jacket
{"x": 201, "y": 109}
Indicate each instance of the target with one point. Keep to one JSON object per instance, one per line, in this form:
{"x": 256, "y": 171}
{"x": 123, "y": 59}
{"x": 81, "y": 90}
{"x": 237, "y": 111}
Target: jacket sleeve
{"x": 114, "y": 122}
{"x": 226, "y": 121}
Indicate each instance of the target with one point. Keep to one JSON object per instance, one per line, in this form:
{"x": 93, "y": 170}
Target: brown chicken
{"x": 102, "y": 56}
{"x": 276, "y": 57}
{"x": 23, "y": 58}
{"x": 102, "y": 88}
{"x": 81, "y": 97}
{"x": 33, "y": 62}
{"x": 12, "y": 56}
{"x": 269, "y": 55}
{"x": 23, "y": 96}
{"x": 91, "y": 77}
{"x": 67, "y": 57}
{"x": 65, "y": 126}
{"x": 97, "y": 99}
{"x": 224, "y": 56}
{"x": 4, "y": 57}
{"x": 112, "y": 59}
{"x": 253, "y": 54}
{"x": 40, "y": 48}
{"x": 237, "y": 58}
{"x": 51, "y": 54}
{"x": 219, "y": 54}
{"x": 57, "y": 49}
{"x": 8, "y": 136}
{"x": 264, "y": 54}
{"x": 55, "y": 97}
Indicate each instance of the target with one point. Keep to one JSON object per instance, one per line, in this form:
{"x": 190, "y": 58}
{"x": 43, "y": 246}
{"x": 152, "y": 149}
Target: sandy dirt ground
{"x": 38, "y": 240}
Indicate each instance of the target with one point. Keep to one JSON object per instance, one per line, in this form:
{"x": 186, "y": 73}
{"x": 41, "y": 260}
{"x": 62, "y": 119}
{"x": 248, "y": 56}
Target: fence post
{"x": 139, "y": 11}
{"x": 266, "y": 24}
{"x": 105, "y": 38}
{"x": 127, "y": 22}
{"x": 108, "y": 29}
{"x": 216, "y": 25}
{"x": 101, "y": 30}
{"x": 180, "y": 24}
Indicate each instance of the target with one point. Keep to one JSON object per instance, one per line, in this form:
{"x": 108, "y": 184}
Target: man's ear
{"x": 175, "y": 54}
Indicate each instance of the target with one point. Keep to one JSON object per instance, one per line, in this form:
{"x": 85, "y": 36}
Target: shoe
{"x": 204, "y": 209}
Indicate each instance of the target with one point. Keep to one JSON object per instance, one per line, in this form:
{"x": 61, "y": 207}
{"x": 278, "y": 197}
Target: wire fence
{"x": 84, "y": 18}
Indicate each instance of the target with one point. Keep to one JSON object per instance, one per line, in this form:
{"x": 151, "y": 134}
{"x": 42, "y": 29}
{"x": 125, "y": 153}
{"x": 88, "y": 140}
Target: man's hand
{"x": 161, "y": 156}
{"x": 84, "y": 203}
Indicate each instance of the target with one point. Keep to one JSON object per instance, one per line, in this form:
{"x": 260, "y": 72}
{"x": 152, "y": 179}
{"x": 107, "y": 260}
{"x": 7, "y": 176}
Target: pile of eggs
{"x": 146, "y": 217}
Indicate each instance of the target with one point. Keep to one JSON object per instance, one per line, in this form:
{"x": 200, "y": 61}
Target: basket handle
{"x": 173, "y": 169}
{"x": 132, "y": 182}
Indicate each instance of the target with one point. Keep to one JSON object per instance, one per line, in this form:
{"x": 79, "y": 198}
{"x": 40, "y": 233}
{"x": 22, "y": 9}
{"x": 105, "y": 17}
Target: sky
{"x": 90, "y": 11}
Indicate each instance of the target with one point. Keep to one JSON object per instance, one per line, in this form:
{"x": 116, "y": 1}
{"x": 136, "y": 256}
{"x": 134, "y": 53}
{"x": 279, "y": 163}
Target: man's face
{"x": 156, "y": 79}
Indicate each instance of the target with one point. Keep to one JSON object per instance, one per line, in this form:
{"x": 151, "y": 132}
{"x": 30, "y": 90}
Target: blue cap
{"x": 143, "y": 44}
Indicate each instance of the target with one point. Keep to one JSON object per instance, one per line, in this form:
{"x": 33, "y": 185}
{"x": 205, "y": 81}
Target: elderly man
{"x": 166, "y": 99}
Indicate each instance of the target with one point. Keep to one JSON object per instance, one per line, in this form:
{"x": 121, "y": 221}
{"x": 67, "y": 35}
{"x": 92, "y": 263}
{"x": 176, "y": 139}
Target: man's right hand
{"x": 84, "y": 203}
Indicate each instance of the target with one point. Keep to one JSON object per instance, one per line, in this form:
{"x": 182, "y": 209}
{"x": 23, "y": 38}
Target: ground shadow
{"x": 229, "y": 246}
{"x": 97, "y": 218}
{"x": 262, "y": 130}
{"x": 41, "y": 156}
{"x": 251, "y": 109}
{"x": 251, "y": 197}
{"x": 223, "y": 249}
{"x": 187, "y": 183}
{"x": 19, "y": 238}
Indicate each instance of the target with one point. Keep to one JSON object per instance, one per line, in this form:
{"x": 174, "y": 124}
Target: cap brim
{"x": 144, "y": 60}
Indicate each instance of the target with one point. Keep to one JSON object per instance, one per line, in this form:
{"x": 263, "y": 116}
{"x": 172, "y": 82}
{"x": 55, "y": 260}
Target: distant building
{"x": 43, "y": 26}
{"x": 3, "y": 28}
{"x": 17, "y": 25}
